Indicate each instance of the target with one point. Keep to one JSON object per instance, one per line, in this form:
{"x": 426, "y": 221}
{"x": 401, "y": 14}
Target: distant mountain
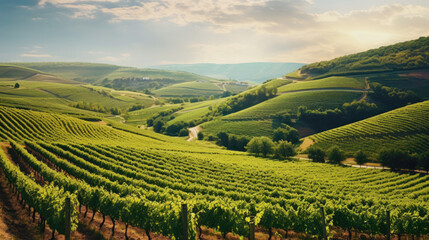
{"x": 250, "y": 72}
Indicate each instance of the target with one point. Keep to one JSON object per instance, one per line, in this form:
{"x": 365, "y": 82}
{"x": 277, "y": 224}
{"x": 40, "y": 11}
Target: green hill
{"x": 412, "y": 54}
{"x": 405, "y": 128}
{"x": 63, "y": 98}
{"x": 10, "y": 72}
{"x": 96, "y": 72}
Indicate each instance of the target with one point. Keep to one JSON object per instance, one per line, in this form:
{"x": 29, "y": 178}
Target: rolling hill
{"x": 117, "y": 172}
{"x": 405, "y": 128}
{"x": 257, "y": 72}
{"x": 408, "y": 55}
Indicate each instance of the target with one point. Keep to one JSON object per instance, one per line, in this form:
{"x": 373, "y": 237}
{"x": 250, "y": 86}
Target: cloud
{"x": 33, "y": 55}
{"x": 60, "y": 2}
{"x": 286, "y": 30}
{"x": 37, "y": 19}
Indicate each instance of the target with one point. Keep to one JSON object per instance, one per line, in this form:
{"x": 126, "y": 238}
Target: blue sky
{"x": 148, "y": 32}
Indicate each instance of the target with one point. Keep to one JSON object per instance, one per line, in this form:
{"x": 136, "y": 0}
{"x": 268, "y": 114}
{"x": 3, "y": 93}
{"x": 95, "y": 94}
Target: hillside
{"x": 248, "y": 72}
{"x": 96, "y": 72}
{"x": 404, "y": 128}
{"x": 76, "y": 99}
{"x": 412, "y": 54}
{"x": 154, "y": 174}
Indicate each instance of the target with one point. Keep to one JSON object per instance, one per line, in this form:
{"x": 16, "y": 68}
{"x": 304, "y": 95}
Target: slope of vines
{"x": 143, "y": 184}
{"x": 405, "y": 128}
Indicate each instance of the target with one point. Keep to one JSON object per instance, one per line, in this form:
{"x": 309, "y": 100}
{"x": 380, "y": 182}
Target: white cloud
{"x": 36, "y": 55}
{"x": 37, "y": 19}
{"x": 59, "y": 2}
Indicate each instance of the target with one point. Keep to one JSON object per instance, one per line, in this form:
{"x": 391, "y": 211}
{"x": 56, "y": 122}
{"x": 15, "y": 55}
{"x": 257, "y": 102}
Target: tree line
{"x": 388, "y": 157}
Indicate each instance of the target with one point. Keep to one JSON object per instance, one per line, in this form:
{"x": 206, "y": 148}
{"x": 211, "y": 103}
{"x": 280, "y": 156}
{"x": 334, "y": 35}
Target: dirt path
{"x": 193, "y": 133}
{"x": 306, "y": 144}
{"x": 367, "y": 88}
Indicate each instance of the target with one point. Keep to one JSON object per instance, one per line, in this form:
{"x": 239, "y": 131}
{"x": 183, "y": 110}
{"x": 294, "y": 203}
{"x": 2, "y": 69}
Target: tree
{"x": 316, "y": 154}
{"x": 183, "y": 132}
{"x": 423, "y": 161}
{"x": 267, "y": 146}
{"x": 361, "y": 158}
{"x": 260, "y": 145}
{"x": 200, "y": 135}
{"x": 158, "y": 125}
{"x": 335, "y": 155}
{"x": 253, "y": 146}
{"x": 393, "y": 158}
{"x": 284, "y": 149}
{"x": 16, "y": 85}
{"x": 223, "y": 139}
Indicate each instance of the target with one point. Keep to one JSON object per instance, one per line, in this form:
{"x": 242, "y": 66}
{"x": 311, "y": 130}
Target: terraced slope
{"x": 405, "y": 128}
{"x": 18, "y": 125}
{"x": 291, "y": 101}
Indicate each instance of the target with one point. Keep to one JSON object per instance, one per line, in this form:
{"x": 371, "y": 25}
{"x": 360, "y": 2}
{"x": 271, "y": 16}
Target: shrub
{"x": 200, "y": 135}
{"x": 361, "y": 158}
{"x": 183, "y": 132}
{"x": 335, "y": 155}
{"x": 284, "y": 149}
{"x": 260, "y": 145}
{"x": 423, "y": 161}
{"x": 316, "y": 154}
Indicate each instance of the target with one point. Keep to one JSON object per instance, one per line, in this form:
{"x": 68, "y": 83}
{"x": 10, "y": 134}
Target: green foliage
{"x": 288, "y": 134}
{"x": 424, "y": 161}
{"x": 200, "y": 135}
{"x": 245, "y": 100}
{"x": 260, "y": 145}
{"x": 316, "y": 154}
{"x": 406, "y": 55}
{"x": 284, "y": 149}
{"x": 404, "y": 128}
{"x": 393, "y": 96}
{"x": 335, "y": 155}
{"x": 360, "y": 157}
{"x": 133, "y": 170}
{"x": 396, "y": 159}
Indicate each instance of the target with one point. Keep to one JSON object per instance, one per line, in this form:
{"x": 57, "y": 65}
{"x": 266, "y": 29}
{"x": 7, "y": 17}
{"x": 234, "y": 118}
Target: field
{"x": 246, "y": 128}
{"x": 57, "y": 97}
{"x": 405, "y": 128}
{"x": 131, "y": 173}
{"x": 94, "y": 72}
{"x": 291, "y": 101}
{"x": 190, "y": 89}
{"x": 330, "y": 82}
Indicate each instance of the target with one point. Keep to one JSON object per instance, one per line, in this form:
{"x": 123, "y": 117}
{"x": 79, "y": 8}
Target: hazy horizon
{"x": 148, "y": 33}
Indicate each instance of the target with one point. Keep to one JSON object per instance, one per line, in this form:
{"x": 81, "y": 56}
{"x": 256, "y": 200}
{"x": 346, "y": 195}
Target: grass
{"x": 404, "y": 128}
{"x": 291, "y": 101}
{"x": 330, "y": 82}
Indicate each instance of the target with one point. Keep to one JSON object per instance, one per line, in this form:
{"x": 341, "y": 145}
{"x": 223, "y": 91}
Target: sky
{"x": 150, "y": 32}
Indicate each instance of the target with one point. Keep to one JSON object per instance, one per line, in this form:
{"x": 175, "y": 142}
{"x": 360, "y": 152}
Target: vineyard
{"x": 404, "y": 128}
{"x": 143, "y": 182}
